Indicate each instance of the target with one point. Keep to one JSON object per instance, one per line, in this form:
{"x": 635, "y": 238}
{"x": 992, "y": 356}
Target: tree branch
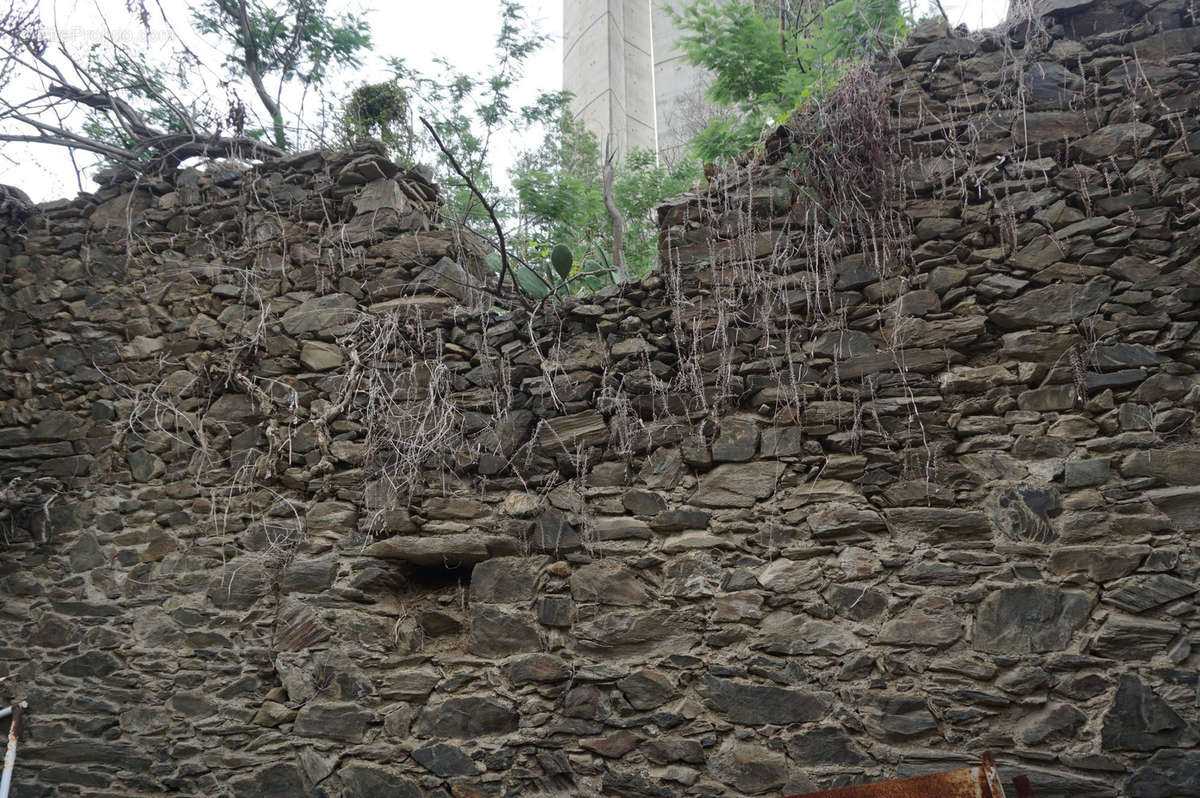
{"x": 614, "y": 213}
{"x": 487, "y": 206}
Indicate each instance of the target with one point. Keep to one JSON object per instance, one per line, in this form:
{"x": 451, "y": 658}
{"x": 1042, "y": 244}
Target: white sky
{"x": 462, "y": 30}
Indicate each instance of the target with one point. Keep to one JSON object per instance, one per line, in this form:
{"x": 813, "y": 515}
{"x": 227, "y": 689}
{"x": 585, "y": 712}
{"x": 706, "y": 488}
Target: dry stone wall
{"x": 291, "y": 510}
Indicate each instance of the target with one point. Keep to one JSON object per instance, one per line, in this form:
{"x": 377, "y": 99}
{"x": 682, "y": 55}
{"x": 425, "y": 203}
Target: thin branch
{"x": 487, "y": 206}
{"x": 614, "y": 213}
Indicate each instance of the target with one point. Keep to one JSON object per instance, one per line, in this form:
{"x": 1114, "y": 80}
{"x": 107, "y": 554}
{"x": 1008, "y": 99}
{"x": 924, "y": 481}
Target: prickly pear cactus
{"x": 562, "y": 260}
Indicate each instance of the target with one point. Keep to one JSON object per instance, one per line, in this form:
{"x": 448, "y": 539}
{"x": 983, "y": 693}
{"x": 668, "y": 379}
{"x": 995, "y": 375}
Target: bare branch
{"x": 614, "y": 213}
{"x": 487, "y": 206}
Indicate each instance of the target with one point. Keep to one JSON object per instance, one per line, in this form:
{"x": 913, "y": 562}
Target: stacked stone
{"x": 961, "y": 519}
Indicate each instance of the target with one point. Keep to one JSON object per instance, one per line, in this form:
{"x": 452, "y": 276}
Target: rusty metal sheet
{"x": 976, "y": 782}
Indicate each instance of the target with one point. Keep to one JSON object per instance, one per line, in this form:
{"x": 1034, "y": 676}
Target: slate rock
{"x": 897, "y": 717}
{"x": 608, "y": 582}
{"x": 855, "y": 602}
{"x": 938, "y": 524}
{"x": 365, "y": 781}
{"x": 466, "y": 718}
{"x": 630, "y": 631}
{"x": 536, "y": 669}
{"x": 323, "y": 314}
{"x": 667, "y": 750}
{"x": 1167, "y": 774}
{"x": 498, "y": 631}
{"x": 825, "y": 746}
{"x": 1051, "y": 723}
{"x": 1139, "y": 720}
{"x": 281, "y": 780}
{"x": 736, "y": 442}
{"x": 554, "y": 534}
{"x": 646, "y": 688}
{"x": 749, "y": 768}
{"x": 1029, "y": 619}
{"x": 341, "y": 721}
{"x": 90, "y": 665}
{"x": 506, "y": 580}
{"x": 1174, "y": 466}
{"x": 1084, "y": 473}
{"x": 737, "y": 484}
{"x": 1023, "y": 511}
{"x": 1144, "y": 592}
{"x": 766, "y": 704}
{"x": 1125, "y": 638}
{"x": 1061, "y": 303}
{"x": 445, "y": 760}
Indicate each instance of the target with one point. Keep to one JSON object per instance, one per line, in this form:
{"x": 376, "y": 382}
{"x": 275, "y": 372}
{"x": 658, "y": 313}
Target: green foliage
{"x": 768, "y": 58}
{"x": 468, "y": 110}
{"x": 284, "y": 41}
{"x": 560, "y": 197}
{"x": 378, "y": 110}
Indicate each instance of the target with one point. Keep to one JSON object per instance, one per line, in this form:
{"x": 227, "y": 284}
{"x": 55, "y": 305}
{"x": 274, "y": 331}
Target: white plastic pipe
{"x": 10, "y": 754}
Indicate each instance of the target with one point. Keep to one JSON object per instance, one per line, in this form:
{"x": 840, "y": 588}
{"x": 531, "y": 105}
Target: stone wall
{"x": 296, "y": 513}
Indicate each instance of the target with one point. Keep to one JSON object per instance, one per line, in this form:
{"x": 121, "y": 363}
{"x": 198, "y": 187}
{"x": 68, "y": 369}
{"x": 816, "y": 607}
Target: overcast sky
{"x": 462, "y": 30}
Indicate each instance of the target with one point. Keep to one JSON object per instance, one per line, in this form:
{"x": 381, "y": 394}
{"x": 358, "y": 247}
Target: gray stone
{"x": 1182, "y": 505}
{"x": 665, "y": 750}
{"x": 1084, "y": 473}
{"x": 1051, "y": 723}
{"x": 566, "y": 433}
{"x": 897, "y": 717}
{"x": 498, "y": 632}
{"x": 309, "y": 576}
{"x": 825, "y": 746}
{"x": 330, "y": 314}
{"x": 629, "y": 631}
{"x": 342, "y": 721}
{"x": 1053, "y": 397}
{"x": 1023, "y": 511}
{"x": 646, "y": 689}
{"x": 841, "y": 520}
{"x": 796, "y": 635}
{"x": 86, "y": 554}
{"x": 855, "y": 602}
{"x": 365, "y": 781}
{"x": 1100, "y": 563}
{"x": 537, "y": 669}
{"x": 1144, "y": 592}
{"x": 1057, "y": 304}
{"x": 466, "y": 718}
{"x": 608, "y": 582}
{"x": 937, "y": 524}
{"x": 922, "y": 626}
{"x": 737, "y": 485}
{"x": 281, "y": 780}
{"x": 1167, "y": 774}
{"x": 680, "y": 520}
{"x": 1048, "y": 127}
{"x": 1123, "y": 138}
{"x": 439, "y": 550}
{"x": 781, "y": 442}
{"x": 90, "y": 665}
{"x": 445, "y": 760}
{"x": 1174, "y": 466}
{"x": 643, "y": 502}
{"x": 1126, "y": 638}
{"x": 554, "y": 534}
{"x": 506, "y": 580}
{"x": 736, "y": 443}
{"x": 749, "y": 768}
{"x": 1139, "y": 720}
{"x": 765, "y": 704}
{"x": 1029, "y": 619}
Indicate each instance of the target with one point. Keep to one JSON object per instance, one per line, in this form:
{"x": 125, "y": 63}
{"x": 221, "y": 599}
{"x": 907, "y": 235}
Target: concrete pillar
{"x": 606, "y": 66}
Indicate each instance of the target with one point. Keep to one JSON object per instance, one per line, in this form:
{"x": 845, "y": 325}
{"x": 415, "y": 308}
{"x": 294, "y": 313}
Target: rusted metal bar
{"x": 977, "y": 782}
{"x": 10, "y": 754}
